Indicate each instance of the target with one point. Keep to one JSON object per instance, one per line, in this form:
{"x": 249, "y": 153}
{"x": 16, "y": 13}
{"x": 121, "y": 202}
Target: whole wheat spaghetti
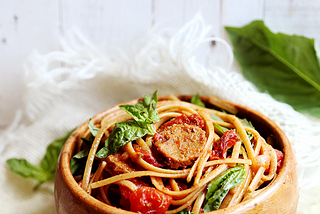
{"x": 176, "y": 155}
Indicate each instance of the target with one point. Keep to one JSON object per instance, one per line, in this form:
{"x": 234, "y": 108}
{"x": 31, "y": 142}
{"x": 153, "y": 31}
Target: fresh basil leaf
{"x": 46, "y": 170}
{"x": 144, "y": 112}
{"x": 219, "y": 187}
{"x": 219, "y": 128}
{"x": 104, "y": 152}
{"x": 27, "y": 170}
{"x": 141, "y": 116}
{"x": 151, "y": 130}
{"x": 185, "y": 211}
{"x": 196, "y": 100}
{"x": 215, "y": 117}
{"x": 50, "y": 160}
{"x": 78, "y": 162}
{"x": 284, "y": 66}
{"x": 94, "y": 131}
{"x": 88, "y": 141}
{"x": 121, "y": 134}
{"x": 246, "y": 123}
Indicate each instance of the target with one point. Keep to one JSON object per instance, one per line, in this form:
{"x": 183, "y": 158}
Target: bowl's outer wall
{"x": 281, "y": 196}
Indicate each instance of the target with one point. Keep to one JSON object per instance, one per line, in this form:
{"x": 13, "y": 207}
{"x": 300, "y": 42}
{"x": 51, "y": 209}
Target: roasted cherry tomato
{"x": 279, "y": 159}
{"x": 227, "y": 140}
{"x": 149, "y": 200}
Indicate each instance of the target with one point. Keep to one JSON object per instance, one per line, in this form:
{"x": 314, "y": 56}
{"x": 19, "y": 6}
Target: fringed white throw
{"x": 65, "y": 88}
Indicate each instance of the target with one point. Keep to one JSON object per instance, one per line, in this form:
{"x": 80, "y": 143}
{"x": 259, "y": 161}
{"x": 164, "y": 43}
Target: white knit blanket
{"x": 65, "y": 88}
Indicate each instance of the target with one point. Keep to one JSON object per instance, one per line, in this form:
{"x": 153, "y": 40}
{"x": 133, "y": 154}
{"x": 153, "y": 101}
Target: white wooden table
{"x": 27, "y": 26}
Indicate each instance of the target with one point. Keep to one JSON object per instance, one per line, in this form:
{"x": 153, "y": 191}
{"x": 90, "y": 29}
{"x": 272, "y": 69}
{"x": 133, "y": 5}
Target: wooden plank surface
{"x": 38, "y": 25}
{"x": 25, "y": 26}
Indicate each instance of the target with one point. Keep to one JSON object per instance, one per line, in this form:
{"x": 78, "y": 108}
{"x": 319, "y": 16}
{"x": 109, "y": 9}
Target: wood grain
{"x": 26, "y": 26}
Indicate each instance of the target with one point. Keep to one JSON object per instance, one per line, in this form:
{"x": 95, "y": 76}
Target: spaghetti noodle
{"x": 182, "y": 159}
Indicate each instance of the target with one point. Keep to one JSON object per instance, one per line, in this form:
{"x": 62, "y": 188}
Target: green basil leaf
{"x": 27, "y": 170}
{"x": 219, "y": 128}
{"x": 78, "y": 162}
{"x": 94, "y": 131}
{"x": 215, "y": 117}
{"x": 196, "y": 100}
{"x": 185, "y": 211}
{"x": 46, "y": 170}
{"x": 121, "y": 134}
{"x": 219, "y": 187}
{"x": 246, "y": 123}
{"x": 144, "y": 112}
{"x": 141, "y": 116}
{"x": 284, "y": 66}
{"x": 50, "y": 160}
{"x": 151, "y": 130}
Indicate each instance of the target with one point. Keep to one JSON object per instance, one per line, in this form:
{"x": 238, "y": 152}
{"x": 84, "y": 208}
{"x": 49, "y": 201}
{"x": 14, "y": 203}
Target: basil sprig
{"x": 46, "y": 170}
{"x": 144, "y": 114}
{"x": 219, "y": 187}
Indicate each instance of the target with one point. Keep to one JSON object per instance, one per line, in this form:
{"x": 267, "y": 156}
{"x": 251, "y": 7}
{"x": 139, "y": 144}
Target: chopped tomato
{"x": 125, "y": 192}
{"x": 157, "y": 137}
{"x": 193, "y": 119}
{"x": 148, "y": 157}
{"x": 149, "y": 200}
{"x": 227, "y": 140}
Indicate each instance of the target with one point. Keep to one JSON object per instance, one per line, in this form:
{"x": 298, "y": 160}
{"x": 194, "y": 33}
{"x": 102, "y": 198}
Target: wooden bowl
{"x": 280, "y": 196}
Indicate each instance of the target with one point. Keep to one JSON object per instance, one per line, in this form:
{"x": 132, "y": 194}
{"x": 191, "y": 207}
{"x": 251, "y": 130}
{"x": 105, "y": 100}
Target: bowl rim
{"x": 81, "y": 195}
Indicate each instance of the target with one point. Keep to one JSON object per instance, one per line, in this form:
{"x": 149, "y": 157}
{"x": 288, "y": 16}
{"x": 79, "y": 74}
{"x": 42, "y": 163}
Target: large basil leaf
{"x": 284, "y": 66}
{"x": 46, "y": 170}
{"x": 219, "y": 187}
{"x": 121, "y": 134}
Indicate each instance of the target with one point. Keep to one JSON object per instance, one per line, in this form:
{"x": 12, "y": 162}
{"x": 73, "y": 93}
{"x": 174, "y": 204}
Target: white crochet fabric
{"x": 65, "y": 88}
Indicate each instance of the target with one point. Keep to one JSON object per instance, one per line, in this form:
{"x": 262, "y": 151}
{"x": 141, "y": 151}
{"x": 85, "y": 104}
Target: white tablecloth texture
{"x": 65, "y": 88}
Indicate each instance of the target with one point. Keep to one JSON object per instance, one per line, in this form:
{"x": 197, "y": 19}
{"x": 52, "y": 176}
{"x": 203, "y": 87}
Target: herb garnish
{"x": 219, "y": 187}
{"x": 284, "y": 66}
{"x": 144, "y": 114}
{"x": 46, "y": 170}
{"x": 197, "y": 100}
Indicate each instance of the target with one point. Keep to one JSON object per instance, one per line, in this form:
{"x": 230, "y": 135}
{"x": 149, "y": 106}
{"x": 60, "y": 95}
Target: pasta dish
{"x": 172, "y": 156}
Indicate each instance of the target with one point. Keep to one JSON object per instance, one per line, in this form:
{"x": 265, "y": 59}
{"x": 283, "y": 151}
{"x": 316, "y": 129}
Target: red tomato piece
{"x": 157, "y": 137}
{"x": 227, "y": 140}
{"x": 149, "y": 200}
{"x": 193, "y": 119}
{"x": 279, "y": 158}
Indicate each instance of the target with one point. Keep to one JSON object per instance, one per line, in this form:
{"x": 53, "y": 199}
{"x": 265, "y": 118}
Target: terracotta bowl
{"x": 280, "y": 196}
